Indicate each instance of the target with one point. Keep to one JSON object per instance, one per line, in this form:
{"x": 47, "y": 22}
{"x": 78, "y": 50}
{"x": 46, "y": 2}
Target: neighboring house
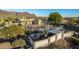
{"x": 40, "y": 36}
{"x": 22, "y": 21}
{"x": 26, "y": 21}
{"x": 7, "y": 24}
{"x": 56, "y": 33}
{"x": 15, "y": 23}
{"x": 38, "y": 22}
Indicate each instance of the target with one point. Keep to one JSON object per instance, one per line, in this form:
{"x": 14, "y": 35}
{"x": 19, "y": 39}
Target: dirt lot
{"x": 5, "y": 45}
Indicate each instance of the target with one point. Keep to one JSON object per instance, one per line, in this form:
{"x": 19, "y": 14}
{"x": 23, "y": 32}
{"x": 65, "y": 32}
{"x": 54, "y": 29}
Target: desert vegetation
{"x": 14, "y": 29}
{"x": 60, "y": 44}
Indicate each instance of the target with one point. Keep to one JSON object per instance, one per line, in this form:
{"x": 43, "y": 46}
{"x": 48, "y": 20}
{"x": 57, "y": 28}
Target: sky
{"x": 46, "y": 12}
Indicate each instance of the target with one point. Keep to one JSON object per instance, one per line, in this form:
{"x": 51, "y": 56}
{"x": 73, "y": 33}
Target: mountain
{"x": 15, "y": 14}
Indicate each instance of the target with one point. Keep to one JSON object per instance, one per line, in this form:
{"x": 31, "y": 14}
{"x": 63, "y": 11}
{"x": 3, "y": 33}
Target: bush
{"x": 12, "y": 31}
{"x": 75, "y": 41}
{"x": 60, "y": 44}
{"x": 19, "y": 43}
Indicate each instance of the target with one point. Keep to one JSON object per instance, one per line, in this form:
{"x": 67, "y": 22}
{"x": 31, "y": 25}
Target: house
{"x": 7, "y": 24}
{"x": 26, "y": 21}
{"x": 39, "y": 39}
{"x": 38, "y": 22}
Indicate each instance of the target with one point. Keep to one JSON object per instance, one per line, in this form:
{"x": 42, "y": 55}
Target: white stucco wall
{"x": 52, "y": 38}
{"x": 41, "y": 43}
{"x": 44, "y": 42}
{"x": 59, "y": 35}
{"x": 68, "y": 34}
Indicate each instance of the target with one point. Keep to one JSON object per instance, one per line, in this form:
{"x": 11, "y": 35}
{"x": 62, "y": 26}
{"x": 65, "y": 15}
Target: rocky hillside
{"x": 14, "y": 14}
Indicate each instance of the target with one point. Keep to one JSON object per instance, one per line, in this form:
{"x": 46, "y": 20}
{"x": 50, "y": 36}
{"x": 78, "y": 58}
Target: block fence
{"x": 49, "y": 40}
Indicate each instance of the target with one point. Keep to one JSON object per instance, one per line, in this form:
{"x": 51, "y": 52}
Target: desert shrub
{"x": 12, "y": 31}
{"x": 75, "y": 41}
{"x": 19, "y": 43}
{"x": 60, "y": 44}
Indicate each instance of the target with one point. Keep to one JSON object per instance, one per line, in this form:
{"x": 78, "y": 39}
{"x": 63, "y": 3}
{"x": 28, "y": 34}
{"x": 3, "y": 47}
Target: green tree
{"x": 55, "y": 18}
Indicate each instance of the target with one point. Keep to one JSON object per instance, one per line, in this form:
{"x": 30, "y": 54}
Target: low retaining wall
{"x": 68, "y": 34}
{"x": 47, "y": 41}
